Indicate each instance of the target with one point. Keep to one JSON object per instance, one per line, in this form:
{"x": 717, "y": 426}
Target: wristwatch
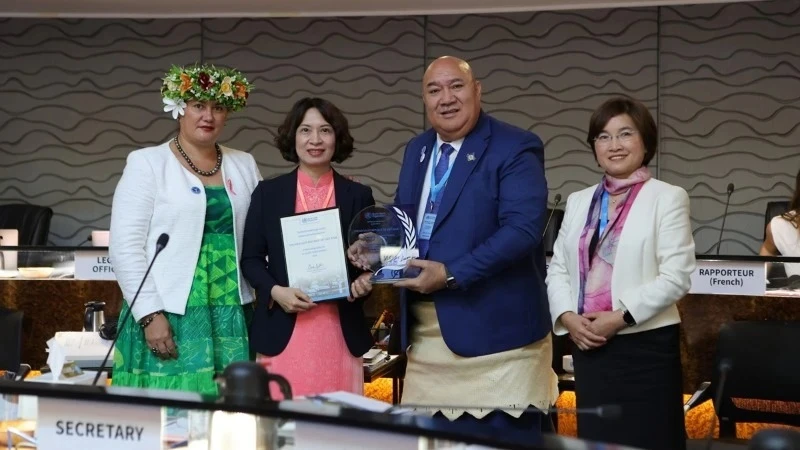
{"x": 628, "y": 318}
{"x": 450, "y": 279}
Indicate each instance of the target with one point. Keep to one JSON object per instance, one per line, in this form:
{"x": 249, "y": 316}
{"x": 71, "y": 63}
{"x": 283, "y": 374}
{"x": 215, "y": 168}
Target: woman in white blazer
{"x": 622, "y": 259}
{"x": 189, "y": 323}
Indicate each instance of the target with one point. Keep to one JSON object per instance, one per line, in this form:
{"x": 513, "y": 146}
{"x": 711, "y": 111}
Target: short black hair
{"x": 285, "y": 139}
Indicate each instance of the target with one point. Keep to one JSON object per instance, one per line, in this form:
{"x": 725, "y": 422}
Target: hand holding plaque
{"x": 382, "y": 240}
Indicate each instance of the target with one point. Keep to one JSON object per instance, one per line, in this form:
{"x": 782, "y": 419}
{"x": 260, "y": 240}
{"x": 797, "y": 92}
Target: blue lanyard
{"x": 436, "y": 188}
{"x": 603, "y": 212}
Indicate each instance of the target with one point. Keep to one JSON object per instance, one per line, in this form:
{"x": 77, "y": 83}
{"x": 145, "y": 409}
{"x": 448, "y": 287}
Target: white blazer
{"x": 655, "y": 257}
{"x": 155, "y": 195}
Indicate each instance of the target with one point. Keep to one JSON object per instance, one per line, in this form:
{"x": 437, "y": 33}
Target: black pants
{"x": 640, "y": 372}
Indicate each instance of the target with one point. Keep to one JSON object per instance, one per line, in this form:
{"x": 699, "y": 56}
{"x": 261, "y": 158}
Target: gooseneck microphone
{"x": 724, "y": 216}
{"x": 160, "y": 244}
{"x": 610, "y": 412}
{"x": 556, "y": 201}
{"x": 724, "y": 367}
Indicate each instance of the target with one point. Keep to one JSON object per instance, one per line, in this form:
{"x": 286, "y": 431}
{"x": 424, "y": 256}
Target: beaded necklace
{"x": 205, "y": 173}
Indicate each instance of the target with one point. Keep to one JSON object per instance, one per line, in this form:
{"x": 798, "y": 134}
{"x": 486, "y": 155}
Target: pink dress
{"x": 317, "y": 359}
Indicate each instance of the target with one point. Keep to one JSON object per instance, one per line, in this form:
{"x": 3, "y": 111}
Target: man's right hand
{"x": 292, "y": 300}
{"x": 159, "y": 338}
{"x": 578, "y": 327}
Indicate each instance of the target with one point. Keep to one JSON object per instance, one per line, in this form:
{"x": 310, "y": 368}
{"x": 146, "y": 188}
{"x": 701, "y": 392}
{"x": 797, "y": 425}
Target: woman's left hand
{"x": 605, "y": 323}
{"x": 361, "y": 287}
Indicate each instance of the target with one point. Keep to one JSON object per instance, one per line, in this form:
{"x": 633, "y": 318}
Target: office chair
{"x": 10, "y": 339}
{"x": 32, "y": 222}
{"x": 763, "y": 362}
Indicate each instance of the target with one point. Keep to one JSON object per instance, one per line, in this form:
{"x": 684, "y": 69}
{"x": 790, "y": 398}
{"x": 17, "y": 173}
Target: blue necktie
{"x": 438, "y": 172}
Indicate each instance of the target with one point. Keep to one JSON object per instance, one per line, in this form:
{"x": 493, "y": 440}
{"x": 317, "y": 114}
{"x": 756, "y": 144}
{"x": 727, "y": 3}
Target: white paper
{"x": 85, "y": 348}
{"x": 356, "y": 401}
{"x": 56, "y": 357}
{"x": 314, "y": 251}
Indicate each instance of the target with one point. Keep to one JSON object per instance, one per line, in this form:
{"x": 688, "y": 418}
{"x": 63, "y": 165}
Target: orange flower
{"x": 241, "y": 92}
{"x": 186, "y": 83}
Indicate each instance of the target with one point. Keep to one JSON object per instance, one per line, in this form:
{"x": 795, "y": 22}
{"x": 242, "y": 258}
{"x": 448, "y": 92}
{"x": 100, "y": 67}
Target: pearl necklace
{"x": 205, "y": 173}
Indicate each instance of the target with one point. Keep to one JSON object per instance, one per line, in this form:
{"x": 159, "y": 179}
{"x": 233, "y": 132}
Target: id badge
{"x": 426, "y": 229}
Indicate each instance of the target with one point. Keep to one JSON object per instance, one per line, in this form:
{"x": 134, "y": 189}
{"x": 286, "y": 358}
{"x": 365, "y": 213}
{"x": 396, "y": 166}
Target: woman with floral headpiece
{"x": 189, "y": 319}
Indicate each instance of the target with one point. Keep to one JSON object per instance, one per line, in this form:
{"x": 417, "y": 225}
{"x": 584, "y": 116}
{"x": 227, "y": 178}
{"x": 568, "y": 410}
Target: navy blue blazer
{"x": 272, "y": 199}
{"x": 488, "y": 232}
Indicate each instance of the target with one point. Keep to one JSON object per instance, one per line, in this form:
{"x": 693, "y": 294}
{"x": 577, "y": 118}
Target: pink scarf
{"x": 595, "y": 281}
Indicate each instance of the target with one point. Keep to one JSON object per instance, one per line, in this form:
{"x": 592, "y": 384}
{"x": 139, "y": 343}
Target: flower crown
{"x": 226, "y": 87}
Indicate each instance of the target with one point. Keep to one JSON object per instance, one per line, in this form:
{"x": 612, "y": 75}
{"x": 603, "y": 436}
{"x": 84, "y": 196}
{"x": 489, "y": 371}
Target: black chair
{"x": 10, "y": 339}
{"x": 551, "y": 233}
{"x": 32, "y": 222}
{"x": 763, "y": 362}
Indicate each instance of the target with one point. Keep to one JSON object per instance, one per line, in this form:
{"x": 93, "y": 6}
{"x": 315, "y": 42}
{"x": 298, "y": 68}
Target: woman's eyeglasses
{"x": 605, "y": 139}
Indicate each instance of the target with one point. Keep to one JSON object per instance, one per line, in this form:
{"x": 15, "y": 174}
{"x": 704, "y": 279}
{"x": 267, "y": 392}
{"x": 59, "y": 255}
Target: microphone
{"x": 724, "y": 216}
{"x": 160, "y": 244}
{"x": 556, "y": 201}
{"x": 610, "y": 412}
{"x": 725, "y": 366}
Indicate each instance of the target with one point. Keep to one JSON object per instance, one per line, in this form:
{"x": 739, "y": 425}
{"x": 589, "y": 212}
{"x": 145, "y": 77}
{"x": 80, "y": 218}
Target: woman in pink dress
{"x": 316, "y": 346}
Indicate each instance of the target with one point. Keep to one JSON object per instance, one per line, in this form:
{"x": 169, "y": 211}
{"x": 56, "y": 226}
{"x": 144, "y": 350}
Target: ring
{"x": 154, "y": 350}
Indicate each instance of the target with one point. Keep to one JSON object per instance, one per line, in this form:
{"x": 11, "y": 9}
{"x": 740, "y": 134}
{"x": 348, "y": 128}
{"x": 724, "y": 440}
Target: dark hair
{"x": 793, "y": 214}
{"x": 638, "y": 113}
{"x": 285, "y": 140}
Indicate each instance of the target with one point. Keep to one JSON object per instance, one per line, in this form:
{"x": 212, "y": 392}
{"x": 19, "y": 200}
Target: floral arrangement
{"x": 227, "y": 87}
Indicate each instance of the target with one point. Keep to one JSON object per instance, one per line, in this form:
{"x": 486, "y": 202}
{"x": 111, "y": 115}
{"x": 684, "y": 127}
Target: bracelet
{"x": 148, "y": 319}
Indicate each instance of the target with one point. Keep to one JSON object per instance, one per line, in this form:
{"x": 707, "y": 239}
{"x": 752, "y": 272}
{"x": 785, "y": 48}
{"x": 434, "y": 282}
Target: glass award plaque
{"x": 383, "y": 239}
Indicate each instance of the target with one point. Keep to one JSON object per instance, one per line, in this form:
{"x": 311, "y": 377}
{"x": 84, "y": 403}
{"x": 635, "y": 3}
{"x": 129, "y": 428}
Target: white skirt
{"x": 437, "y": 377}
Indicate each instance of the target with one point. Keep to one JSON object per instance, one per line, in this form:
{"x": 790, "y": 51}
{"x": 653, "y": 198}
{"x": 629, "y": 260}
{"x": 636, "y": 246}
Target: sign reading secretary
{"x": 99, "y": 430}
{"x": 89, "y": 425}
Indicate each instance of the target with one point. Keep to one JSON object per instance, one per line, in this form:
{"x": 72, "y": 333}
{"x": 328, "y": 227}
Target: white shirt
{"x": 426, "y": 184}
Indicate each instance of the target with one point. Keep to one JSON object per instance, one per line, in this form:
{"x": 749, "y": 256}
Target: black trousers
{"x": 640, "y": 372}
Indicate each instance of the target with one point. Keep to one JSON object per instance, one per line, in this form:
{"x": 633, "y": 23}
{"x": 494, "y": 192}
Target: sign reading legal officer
{"x": 93, "y": 265}
{"x": 729, "y": 278}
{"x": 88, "y": 425}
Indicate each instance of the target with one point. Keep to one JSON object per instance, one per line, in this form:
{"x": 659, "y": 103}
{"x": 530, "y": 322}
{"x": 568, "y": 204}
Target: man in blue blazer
{"x": 476, "y": 320}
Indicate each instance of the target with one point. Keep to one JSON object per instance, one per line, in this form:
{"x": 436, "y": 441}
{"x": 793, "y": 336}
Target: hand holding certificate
{"x": 314, "y": 250}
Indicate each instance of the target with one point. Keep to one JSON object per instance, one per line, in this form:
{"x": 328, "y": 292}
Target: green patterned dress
{"x": 212, "y": 333}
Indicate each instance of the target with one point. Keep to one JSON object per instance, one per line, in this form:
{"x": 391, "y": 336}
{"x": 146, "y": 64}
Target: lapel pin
{"x": 422, "y": 153}
{"x": 230, "y": 186}
{"x": 195, "y": 189}
{"x": 470, "y": 157}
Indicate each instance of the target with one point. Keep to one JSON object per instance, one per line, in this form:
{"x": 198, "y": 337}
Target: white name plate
{"x": 729, "y": 278}
{"x": 89, "y": 425}
{"x": 93, "y": 265}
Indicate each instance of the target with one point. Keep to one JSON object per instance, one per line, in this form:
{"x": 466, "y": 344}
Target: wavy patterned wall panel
{"x": 730, "y": 85}
{"x": 547, "y": 72}
{"x": 371, "y": 68}
{"x": 78, "y": 95}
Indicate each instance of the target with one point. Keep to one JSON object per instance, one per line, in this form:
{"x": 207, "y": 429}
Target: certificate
{"x": 314, "y": 251}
